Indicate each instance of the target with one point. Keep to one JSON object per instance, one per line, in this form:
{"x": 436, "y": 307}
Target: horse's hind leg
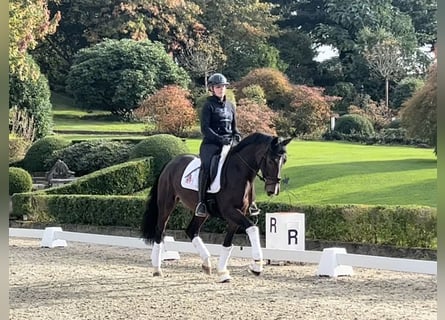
{"x": 193, "y": 233}
{"x": 165, "y": 206}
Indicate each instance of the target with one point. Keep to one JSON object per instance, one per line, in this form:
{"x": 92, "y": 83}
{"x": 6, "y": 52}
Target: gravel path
{"x": 84, "y": 281}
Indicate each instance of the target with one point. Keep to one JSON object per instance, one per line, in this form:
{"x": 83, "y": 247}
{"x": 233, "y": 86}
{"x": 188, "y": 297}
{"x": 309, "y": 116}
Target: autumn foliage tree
{"x": 311, "y": 110}
{"x": 29, "y": 22}
{"x": 419, "y": 113}
{"x": 253, "y": 114}
{"x": 276, "y": 86}
{"x": 169, "y": 109}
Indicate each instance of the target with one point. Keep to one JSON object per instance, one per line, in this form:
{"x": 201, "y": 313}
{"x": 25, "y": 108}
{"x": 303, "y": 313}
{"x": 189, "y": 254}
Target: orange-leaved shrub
{"x": 169, "y": 109}
{"x": 310, "y": 110}
{"x": 255, "y": 117}
{"x": 275, "y": 84}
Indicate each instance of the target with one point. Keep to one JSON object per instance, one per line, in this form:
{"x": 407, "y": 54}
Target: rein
{"x": 248, "y": 166}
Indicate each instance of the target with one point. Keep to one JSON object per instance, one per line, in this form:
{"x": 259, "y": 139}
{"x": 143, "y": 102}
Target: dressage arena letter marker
{"x": 285, "y": 230}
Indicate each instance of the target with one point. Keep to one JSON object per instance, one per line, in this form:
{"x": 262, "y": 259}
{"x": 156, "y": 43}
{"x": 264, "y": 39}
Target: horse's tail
{"x": 150, "y": 217}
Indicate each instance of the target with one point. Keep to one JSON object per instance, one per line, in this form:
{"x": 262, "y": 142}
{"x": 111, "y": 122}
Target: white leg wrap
{"x": 224, "y": 258}
{"x": 156, "y": 253}
{"x": 254, "y": 237}
{"x": 201, "y": 248}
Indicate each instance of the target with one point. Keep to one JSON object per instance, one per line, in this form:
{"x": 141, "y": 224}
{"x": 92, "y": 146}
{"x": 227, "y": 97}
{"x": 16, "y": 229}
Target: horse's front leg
{"x": 256, "y": 267}
{"x": 226, "y": 250}
{"x": 237, "y": 217}
{"x": 193, "y": 233}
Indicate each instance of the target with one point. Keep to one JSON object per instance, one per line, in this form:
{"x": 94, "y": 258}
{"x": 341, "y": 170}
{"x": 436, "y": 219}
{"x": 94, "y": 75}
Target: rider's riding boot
{"x": 253, "y": 209}
{"x": 201, "y": 209}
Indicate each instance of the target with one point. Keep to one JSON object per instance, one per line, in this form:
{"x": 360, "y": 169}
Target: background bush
{"x": 121, "y": 179}
{"x": 354, "y": 123}
{"x": 88, "y": 156}
{"x": 19, "y": 180}
{"x": 34, "y": 96}
{"x": 18, "y": 147}
{"x": 162, "y": 148}
{"x": 41, "y": 150}
{"x": 117, "y": 75}
{"x": 170, "y": 109}
{"x": 276, "y": 86}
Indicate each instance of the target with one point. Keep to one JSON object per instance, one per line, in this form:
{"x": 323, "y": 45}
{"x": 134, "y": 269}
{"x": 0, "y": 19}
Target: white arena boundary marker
{"x": 331, "y": 262}
{"x": 55, "y": 237}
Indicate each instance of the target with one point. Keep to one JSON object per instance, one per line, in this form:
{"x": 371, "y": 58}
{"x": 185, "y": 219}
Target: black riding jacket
{"x": 217, "y": 120}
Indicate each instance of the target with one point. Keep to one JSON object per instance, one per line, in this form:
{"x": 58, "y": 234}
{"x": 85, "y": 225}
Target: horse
{"x": 256, "y": 152}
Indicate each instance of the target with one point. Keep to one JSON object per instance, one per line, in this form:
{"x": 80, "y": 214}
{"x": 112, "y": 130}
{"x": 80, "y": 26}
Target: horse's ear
{"x": 286, "y": 141}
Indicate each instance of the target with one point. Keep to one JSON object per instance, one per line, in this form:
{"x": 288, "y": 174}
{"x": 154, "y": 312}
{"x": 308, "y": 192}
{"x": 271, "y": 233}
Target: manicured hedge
{"x": 121, "y": 179}
{"x": 405, "y": 226}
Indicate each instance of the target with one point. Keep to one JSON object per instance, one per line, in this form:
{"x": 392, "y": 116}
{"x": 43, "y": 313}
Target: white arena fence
{"x": 331, "y": 262}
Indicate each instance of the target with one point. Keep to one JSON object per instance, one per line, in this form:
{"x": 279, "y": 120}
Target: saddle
{"x": 190, "y": 175}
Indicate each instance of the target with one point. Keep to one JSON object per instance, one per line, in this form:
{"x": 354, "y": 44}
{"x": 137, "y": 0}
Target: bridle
{"x": 266, "y": 179}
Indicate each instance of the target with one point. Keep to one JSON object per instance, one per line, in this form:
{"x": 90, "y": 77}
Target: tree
{"x": 243, "y": 28}
{"x": 32, "y": 95}
{"x": 385, "y": 60}
{"x": 203, "y": 58}
{"x": 311, "y": 110}
{"x": 117, "y": 75}
{"x": 87, "y": 22}
{"x": 423, "y": 14}
{"x": 29, "y": 22}
{"x": 275, "y": 84}
{"x": 170, "y": 109}
{"x": 419, "y": 113}
{"x": 253, "y": 114}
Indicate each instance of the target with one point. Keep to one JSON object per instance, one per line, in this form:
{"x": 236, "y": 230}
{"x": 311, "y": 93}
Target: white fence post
{"x": 329, "y": 265}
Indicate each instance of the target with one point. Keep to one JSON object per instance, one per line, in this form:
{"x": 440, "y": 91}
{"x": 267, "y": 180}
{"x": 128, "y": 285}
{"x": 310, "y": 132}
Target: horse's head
{"x": 271, "y": 164}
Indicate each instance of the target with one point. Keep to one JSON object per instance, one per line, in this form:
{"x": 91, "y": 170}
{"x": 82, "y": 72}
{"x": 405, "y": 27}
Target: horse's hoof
{"x": 224, "y": 277}
{"x": 157, "y": 273}
{"x": 257, "y": 273}
{"x": 256, "y": 267}
{"x": 207, "y": 269}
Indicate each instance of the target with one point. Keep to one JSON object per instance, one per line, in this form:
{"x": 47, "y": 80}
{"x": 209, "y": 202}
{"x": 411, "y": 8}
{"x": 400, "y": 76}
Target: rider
{"x": 218, "y": 126}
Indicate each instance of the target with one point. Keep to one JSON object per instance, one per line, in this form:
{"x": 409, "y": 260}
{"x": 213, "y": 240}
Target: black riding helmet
{"x": 217, "y": 78}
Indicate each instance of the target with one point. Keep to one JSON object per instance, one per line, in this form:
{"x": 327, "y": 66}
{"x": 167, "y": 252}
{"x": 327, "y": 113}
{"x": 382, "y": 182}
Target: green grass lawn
{"x": 68, "y": 118}
{"x": 344, "y": 173}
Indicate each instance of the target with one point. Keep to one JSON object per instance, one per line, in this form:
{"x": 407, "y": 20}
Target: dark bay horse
{"x": 257, "y": 152}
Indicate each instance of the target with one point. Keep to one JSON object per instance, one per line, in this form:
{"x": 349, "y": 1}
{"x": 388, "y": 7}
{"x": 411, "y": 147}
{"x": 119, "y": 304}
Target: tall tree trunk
{"x": 387, "y": 92}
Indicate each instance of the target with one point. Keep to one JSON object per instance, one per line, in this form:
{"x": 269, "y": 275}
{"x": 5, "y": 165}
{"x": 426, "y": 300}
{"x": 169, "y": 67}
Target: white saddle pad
{"x": 190, "y": 176}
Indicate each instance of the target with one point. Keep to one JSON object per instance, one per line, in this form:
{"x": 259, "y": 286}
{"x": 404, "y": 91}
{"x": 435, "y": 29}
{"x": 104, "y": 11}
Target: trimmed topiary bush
{"x": 89, "y": 156}
{"x": 19, "y": 181}
{"x": 36, "y": 158}
{"x": 354, "y": 123}
{"x": 162, "y": 147}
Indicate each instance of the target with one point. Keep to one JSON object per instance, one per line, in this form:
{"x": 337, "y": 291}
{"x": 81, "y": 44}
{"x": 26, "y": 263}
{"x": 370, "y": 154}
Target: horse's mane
{"x": 253, "y": 138}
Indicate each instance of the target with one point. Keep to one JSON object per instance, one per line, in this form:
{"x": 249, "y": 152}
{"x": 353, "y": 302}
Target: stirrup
{"x": 253, "y": 209}
{"x": 201, "y": 210}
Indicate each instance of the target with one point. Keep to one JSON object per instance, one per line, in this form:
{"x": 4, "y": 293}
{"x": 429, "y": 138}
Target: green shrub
{"x": 162, "y": 148}
{"x": 402, "y": 226}
{"x": 19, "y": 180}
{"x": 124, "y": 72}
{"x": 40, "y": 151}
{"x": 89, "y": 156}
{"x": 121, "y": 179}
{"x": 18, "y": 147}
{"x": 275, "y": 84}
{"x": 34, "y": 96}
{"x": 354, "y": 123}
